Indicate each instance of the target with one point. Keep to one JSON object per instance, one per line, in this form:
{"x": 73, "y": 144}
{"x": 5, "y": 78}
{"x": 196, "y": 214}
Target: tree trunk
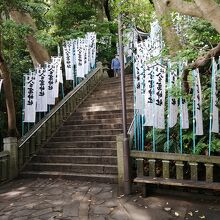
{"x": 170, "y": 35}
{"x": 9, "y": 98}
{"x": 38, "y": 53}
{"x": 107, "y": 10}
{"x": 210, "y": 11}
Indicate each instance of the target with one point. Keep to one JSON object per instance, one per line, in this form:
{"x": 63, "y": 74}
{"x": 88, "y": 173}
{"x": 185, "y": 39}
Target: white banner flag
{"x": 1, "y": 81}
{"x": 56, "y": 62}
{"x": 74, "y": 51}
{"x": 215, "y": 117}
{"x": 198, "y": 103}
{"x": 51, "y": 86}
{"x": 185, "y": 115}
{"x": 149, "y": 96}
{"x": 159, "y": 96}
{"x": 30, "y": 98}
{"x": 138, "y": 96}
{"x": 68, "y": 60}
{"x": 93, "y": 49}
{"x": 79, "y": 58}
{"x": 41, "y": 88}
{"x": 184, "y": 105}
{"x": 173, "y": 102}
{"x": 86, "y": 59}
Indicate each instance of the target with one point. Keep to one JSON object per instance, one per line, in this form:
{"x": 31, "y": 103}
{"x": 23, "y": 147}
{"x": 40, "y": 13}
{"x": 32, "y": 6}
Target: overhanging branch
{"x": 202, "y": 63}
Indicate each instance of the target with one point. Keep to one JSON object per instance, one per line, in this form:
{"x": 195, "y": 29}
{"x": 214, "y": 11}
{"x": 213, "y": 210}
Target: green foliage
{"x": 137, "y": 13}
{"x": 196, "y": 35}
{"x": 66, "y": 14}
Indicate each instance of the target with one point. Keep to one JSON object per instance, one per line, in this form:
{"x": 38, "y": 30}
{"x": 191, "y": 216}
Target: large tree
{"x": 9, "y": 97}
{"x": 16, "y": 10}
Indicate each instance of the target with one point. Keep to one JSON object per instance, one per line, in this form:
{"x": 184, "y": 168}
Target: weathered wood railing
{"x": 30, "y": 143}
{"x": 177, "y": 169}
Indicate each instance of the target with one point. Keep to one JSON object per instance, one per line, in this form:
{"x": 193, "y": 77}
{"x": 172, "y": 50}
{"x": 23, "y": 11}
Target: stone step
{"x": 115, "y": 86}
{"x": 113, "y": 80}
{"x": 102, "y": 108}
{"x": 109, "y": 98}
{"x": 91, "y": 102}
{"x": 83, "y": 138}
{"x": 112, "y": 87}
{"x": 79, "y": 151}
{"x": 106, "y": 178}
{"x": 95, "y": 121}
{"x": 84, "y": 148}
{"x": 92, "y": 126}
{"x": 75, "y": 159}
{"x": 107, "y": 92}
{"x": 82, "y": 144}
{"x": 89, "y": 132}
{"x": 110, "y": 112}
{"x": 99, "y": 116}
{"x": 75, "y": 168}
{"x": 117, "y": 79}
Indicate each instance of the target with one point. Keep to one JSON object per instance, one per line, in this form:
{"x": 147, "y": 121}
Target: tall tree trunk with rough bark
{"x": 107, "y": 10}
{"x": 38, "y": 53}
{"x": 9, "y": 97}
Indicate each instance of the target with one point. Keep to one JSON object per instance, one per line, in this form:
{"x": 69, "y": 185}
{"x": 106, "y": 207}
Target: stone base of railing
{"x": 11, "y": 147}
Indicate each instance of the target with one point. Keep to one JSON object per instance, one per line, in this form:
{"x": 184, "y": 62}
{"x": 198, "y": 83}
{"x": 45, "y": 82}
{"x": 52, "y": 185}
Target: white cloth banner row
{"x": 150, "y": 88}
{"x": 81, "y": 53}
{"x": 150, "y": 84}
{"x": 42, "y": 88}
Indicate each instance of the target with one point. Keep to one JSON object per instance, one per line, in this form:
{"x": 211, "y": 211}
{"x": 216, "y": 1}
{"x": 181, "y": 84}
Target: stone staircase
{"x": 84, "y": 147}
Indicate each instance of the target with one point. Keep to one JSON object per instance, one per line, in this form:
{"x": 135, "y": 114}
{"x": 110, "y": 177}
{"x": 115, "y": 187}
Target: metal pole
{"x": 126, "y": 150}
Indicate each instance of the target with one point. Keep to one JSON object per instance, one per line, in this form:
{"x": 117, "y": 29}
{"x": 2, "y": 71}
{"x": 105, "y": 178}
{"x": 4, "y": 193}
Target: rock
{"x": 71, "y": 210}
{"x": 101, "y": 210}
{"x": 167, "y": 209}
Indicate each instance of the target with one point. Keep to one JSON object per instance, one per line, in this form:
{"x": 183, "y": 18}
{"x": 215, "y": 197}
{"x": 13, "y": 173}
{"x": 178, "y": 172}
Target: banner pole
{"x": 154, "y": 132}
{"x": 181, "y": 108}
{"x": 135, "y": 111}
{"x": 168, "y": 115}
{"x": 194, "y": 119}
{"x": 23, "y": 106}
{"x": 142, "y": 125}
{"x": 142, "y": 112}
{"x": 211, "y": 107}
